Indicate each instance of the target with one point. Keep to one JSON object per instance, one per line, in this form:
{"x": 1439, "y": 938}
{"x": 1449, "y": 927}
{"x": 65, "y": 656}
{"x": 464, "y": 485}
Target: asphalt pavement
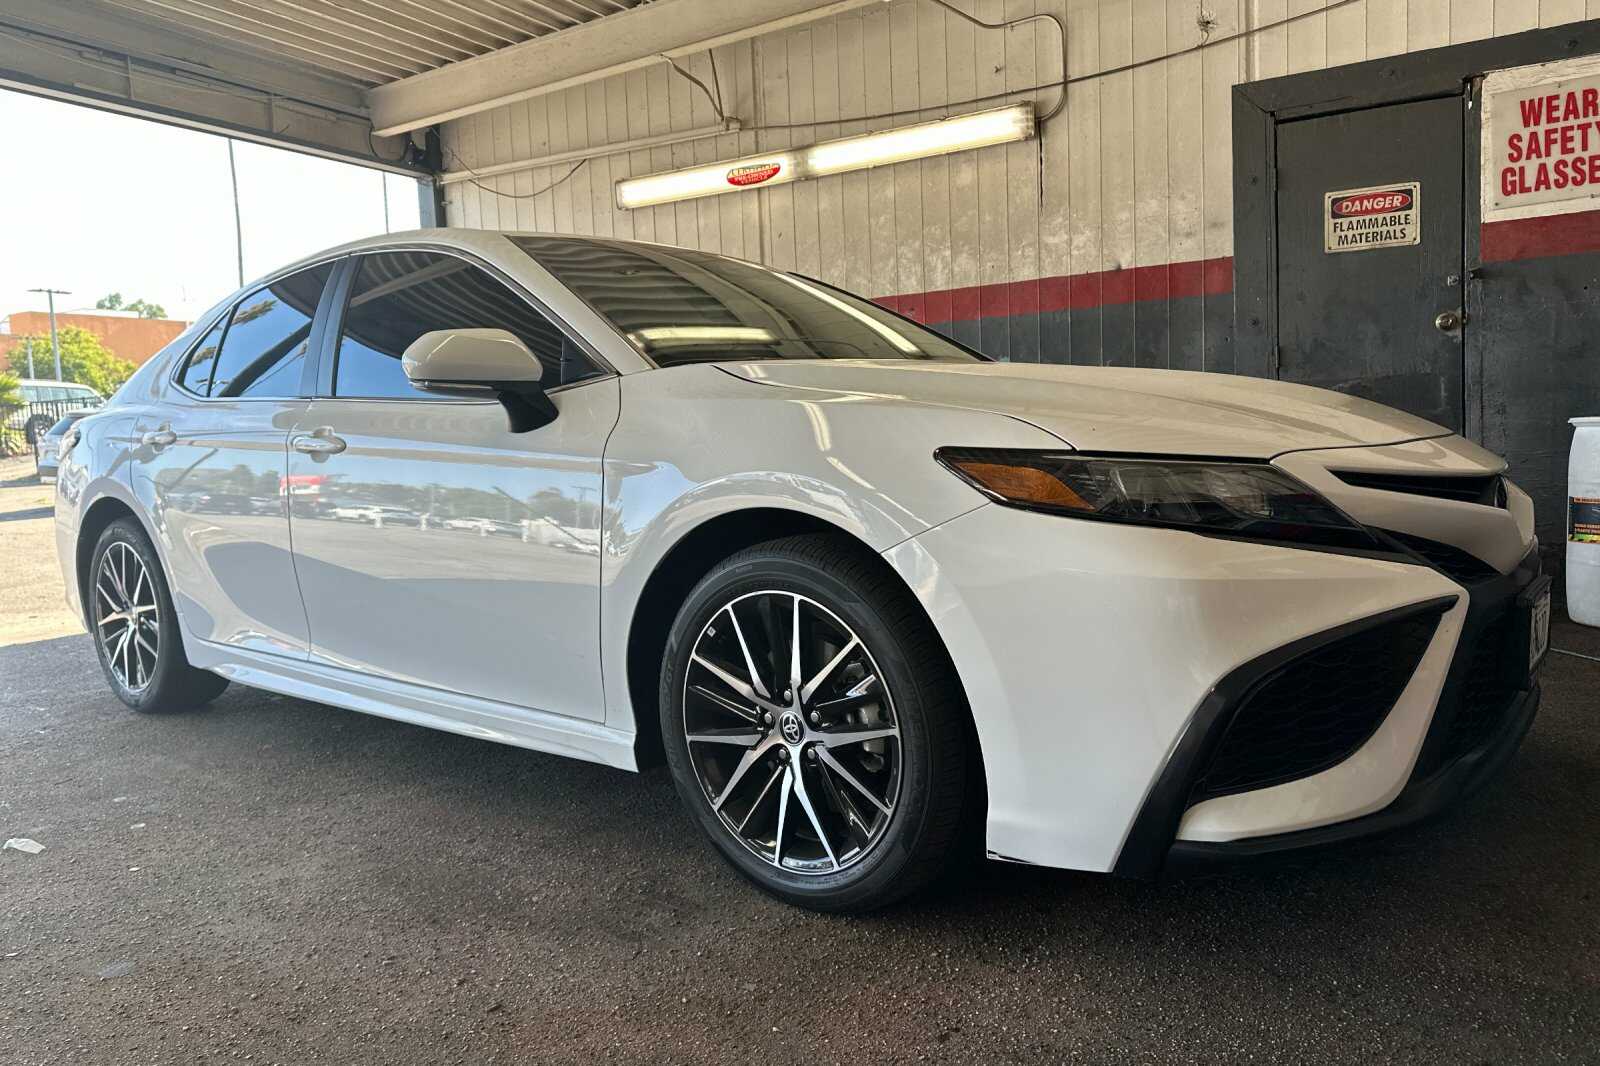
{"x": 275, "y": 881}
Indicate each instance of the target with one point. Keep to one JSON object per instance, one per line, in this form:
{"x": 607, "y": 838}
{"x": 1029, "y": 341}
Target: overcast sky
{"x": 97, "y": 202}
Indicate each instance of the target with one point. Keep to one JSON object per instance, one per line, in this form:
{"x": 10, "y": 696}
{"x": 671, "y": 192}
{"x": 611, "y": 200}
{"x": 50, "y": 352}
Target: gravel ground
{"x": 282, "y": 882}
{"x": 32, "y": 599}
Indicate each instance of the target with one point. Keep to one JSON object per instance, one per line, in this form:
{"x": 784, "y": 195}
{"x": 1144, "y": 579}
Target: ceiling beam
{"x": 97, "y": 55}
{"x": 612, "y": 45}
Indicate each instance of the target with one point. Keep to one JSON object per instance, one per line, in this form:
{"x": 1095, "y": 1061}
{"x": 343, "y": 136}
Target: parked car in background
{"x": 45, "y": 402}
{"x": 863, "y": 589}
{"x": 48, "y": 447}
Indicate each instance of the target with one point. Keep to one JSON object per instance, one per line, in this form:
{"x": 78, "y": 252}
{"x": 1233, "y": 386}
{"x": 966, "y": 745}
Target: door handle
{"x": 159, "y": 438}
{"x": 320, "y": 441}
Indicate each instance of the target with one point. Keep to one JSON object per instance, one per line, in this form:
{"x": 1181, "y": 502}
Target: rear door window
{"x": 264, "y": 347}
{"x": 196, "y": 376}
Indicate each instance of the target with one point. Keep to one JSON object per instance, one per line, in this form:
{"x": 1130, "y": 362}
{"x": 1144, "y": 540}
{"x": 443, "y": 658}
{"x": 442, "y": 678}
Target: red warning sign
{"x": 1542, "y": 136}
{"x": 1379, "y": 216}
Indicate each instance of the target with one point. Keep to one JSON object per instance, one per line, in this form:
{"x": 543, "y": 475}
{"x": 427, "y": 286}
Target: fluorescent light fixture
{"x": 666, "y": 336}
{"x": 1001, "y": 125}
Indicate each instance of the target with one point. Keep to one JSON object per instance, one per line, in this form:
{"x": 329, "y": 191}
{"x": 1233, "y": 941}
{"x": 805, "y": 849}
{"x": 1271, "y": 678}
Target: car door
{"x": 209, "y": 464}
{"x": 433, "y": 545}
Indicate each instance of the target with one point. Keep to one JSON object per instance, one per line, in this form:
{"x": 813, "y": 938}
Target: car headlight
{"x": 1241, "y": 499}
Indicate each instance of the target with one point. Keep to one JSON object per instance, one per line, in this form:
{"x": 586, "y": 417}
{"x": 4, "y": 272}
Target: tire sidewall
{"x": 755, "y": 571}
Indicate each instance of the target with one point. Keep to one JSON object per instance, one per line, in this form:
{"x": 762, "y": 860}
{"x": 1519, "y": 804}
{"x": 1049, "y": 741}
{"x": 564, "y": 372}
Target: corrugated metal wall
{"x": 1107, "y": 240}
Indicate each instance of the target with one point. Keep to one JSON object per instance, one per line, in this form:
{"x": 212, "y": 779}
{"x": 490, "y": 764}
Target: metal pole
{"x": 55, "y": 345}
{"x": 238, "y": 226}
{"x": 384, "y": 178}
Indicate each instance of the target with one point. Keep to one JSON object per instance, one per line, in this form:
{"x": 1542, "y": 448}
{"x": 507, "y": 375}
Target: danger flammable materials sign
{"x": 1379, "y": 216}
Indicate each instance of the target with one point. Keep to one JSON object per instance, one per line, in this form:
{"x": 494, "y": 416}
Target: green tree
{"x": 83, "y": 359}
{"x": 11, "y": 440}
{"x": 143, "y": 308}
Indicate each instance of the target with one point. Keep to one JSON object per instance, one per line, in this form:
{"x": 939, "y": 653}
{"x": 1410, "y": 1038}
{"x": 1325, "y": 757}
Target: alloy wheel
{"x": 127, "y": 616}
{"x": 792, "y": 732}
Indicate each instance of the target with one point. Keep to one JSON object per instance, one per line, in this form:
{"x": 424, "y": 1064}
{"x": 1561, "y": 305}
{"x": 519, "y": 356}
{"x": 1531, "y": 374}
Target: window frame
{"x": 343, "y": 281}
{"x": 314, "y": 338}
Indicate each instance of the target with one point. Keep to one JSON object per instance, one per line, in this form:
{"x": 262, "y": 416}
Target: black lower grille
{"x": 1315, "y": 710}
{"x": 1488, "y": 686}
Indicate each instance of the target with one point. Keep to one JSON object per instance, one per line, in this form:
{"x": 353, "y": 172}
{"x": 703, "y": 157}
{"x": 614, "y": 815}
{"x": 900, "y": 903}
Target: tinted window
{"x": 399, "y": 296}
{"x": 196, "y": 376}
{"x": 268, "y": 334}
{"x": 682, "y": 306}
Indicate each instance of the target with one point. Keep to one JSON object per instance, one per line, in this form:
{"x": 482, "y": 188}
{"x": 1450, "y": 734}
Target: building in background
{"x": 125, "y": 333}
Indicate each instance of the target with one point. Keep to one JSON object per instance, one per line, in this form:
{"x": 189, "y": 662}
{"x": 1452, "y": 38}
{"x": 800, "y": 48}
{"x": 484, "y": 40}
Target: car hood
{"x": 1119, "y": 409}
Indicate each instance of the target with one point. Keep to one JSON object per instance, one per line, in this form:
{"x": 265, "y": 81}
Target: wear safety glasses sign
{"x": 1378, "y": 216}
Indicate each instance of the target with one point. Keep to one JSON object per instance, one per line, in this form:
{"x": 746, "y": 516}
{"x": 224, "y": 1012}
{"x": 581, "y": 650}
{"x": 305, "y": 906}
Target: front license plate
{"x": 1539, "y": 627}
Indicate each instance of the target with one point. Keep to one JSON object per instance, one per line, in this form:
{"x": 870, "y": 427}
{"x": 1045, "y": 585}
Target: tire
{"x": 861, "y": 823}
{"x": 143, "y": 661}
{"x": 36, "y": 427}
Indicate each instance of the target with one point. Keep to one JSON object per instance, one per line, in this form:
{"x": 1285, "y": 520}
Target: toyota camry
{"x": 873, "y": 599}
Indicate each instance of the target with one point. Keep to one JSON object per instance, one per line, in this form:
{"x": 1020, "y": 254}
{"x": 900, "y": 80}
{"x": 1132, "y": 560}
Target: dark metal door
{"x": 1370, "y": 232}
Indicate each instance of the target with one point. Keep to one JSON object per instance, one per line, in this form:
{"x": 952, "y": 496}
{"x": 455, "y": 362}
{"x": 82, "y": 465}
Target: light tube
{"x": 664, "y": 336}
{"x": 1001, "y": 125}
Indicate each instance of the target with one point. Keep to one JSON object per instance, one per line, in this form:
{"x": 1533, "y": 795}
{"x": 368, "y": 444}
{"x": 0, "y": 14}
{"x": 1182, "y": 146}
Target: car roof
{"x": 57, "y": 384}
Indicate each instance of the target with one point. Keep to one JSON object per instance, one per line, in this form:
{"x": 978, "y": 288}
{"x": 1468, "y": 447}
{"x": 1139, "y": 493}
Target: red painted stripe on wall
{"x": 1539, "y": 238}
{"x": 1068, "y": 292}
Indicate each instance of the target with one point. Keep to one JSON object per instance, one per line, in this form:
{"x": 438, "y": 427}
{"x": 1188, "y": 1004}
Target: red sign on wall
{"x": 1542, "y": 136}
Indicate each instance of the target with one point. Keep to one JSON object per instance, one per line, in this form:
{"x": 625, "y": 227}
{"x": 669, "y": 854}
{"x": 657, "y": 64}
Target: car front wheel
{"x": 815, "y": 727}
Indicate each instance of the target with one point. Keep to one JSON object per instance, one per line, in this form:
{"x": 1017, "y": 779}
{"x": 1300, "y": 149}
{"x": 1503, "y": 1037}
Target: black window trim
{"x": 344, "y": 279}
{"x": 225, "y": 319}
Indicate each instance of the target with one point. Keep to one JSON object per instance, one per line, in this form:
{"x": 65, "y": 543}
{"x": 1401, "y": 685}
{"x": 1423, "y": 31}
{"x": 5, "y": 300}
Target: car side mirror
{"x": 479, "y": 362}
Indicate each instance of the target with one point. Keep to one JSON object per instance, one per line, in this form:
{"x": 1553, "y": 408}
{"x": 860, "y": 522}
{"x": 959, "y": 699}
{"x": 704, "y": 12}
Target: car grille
{"x": 1315, "y": 710}
{"x": 1488, "y": 685}
{"x": 1490, "y": 490}
{"x": 1447, "y": 558}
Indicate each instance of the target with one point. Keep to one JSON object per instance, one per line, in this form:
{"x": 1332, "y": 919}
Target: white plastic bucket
{"x": 1583, "y": 523}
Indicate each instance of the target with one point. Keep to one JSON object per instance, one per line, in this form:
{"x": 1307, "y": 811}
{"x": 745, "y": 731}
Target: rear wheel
{"x": 814, "y": 726}
{"x": 136, "y": 629}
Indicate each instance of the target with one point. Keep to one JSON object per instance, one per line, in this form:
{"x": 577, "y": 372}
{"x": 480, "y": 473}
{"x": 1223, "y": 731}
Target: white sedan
{"x": 870, "y": 596}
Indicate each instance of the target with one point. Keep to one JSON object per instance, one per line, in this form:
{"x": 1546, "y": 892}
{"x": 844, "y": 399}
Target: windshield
{"x": 680, "y": 306}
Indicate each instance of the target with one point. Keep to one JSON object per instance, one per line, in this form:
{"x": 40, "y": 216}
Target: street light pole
{"x": 55, "y": 345}
{"x": 238, "y": 223}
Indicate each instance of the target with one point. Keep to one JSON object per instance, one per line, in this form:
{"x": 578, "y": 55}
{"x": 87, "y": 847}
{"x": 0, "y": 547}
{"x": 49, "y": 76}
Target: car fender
{"x": 695, "y": 443}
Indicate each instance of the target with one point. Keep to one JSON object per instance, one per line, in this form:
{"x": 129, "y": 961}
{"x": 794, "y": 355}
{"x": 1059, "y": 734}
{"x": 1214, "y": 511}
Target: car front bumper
{"x": 1420, "y": 801}
{"x": 1089, "y": 652}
